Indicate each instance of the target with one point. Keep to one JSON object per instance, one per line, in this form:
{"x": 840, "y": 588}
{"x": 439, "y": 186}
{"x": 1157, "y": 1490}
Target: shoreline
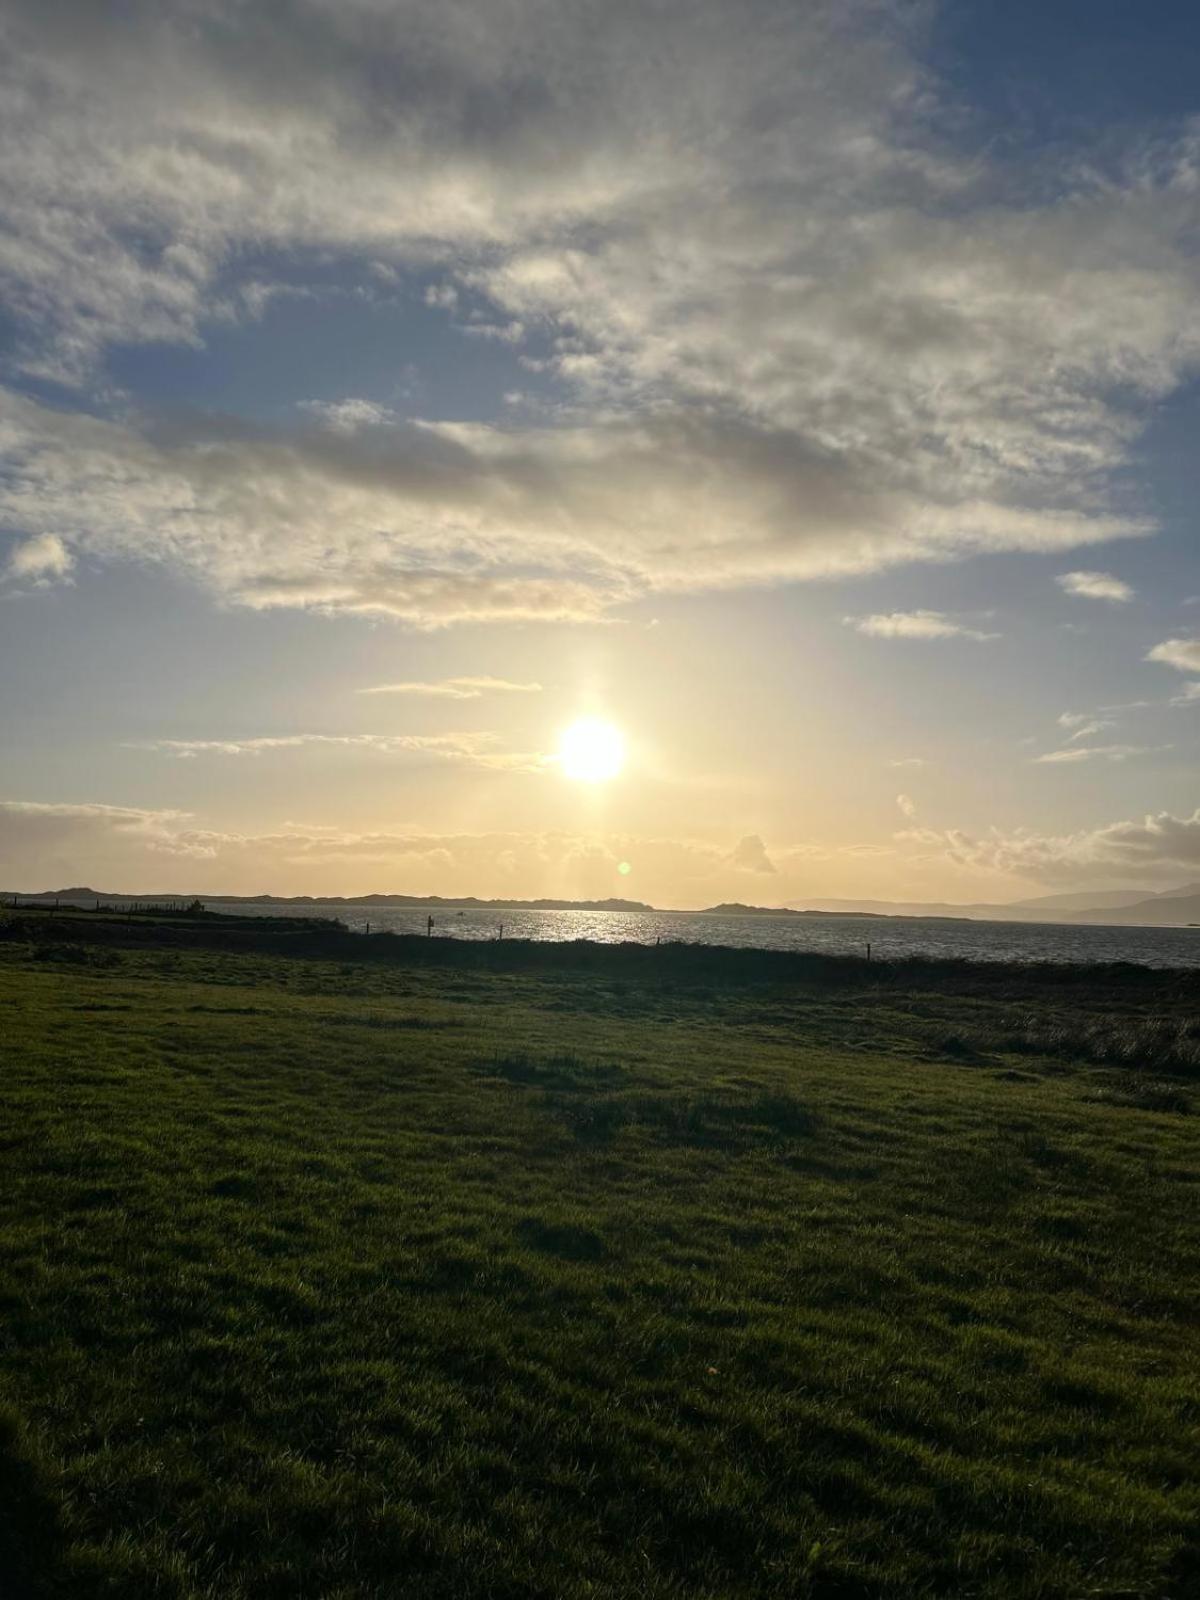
{"x": 327, "y": 938}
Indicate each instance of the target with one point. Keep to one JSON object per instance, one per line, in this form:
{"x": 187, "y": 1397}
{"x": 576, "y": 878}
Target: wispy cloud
{"x": 1095, "y": 586}
{"x": 907, "y": 805}
{"x": 455, "y": 688}
{"x": 916, "y": 625}
{"x": 1077, "y": 753}
{"x": 1084, "y": 725}
{"x": 349, "y": 415}
{"x": 471, "y": 749}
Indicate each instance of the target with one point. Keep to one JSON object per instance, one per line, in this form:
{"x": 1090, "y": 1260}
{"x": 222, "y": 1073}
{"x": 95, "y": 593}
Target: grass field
{"x": 346, "y": 1268}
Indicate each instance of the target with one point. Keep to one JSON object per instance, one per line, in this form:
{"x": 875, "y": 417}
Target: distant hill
{"x": 1087, "y": 900}
{"x": 1177, "y": 908}
{"x": 981, "y": 910}
{"x": 84, "y": 897}
{"x": 1117, "y": 908}
{"x": 736, "y": 908}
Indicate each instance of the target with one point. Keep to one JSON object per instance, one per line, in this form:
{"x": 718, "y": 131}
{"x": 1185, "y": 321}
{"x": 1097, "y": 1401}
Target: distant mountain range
{"x": 1118, "y": 907}
{"x": 1089, "y": 900}
{"x": 737, "y": 908}
{"x": 83, "y": 896}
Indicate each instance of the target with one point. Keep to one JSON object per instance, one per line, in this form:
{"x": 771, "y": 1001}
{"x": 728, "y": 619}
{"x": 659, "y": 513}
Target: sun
{"x": 591, "y": 751}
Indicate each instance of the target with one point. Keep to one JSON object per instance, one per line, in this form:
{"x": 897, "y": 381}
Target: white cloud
{"x": 1084, "y": 725}
{"x": 506, "y": 333}
{"x": 447, "y": 523}
{"x": 1159, "y": 844}
{"x": 1182, "y": 654}
{"x": 119, "y": 818}
{"x": 349, "y": 415}
{"x": 470, "y": 749}
{"x": 750, "y": 855}
{"x": 907, "y": 805}
{"x": 38, "y": 837}
{"x": 793, "y": 333}
{"x": 41, "y": 559}
{"x": 455, "y": 688}
{"x": 1095, "y": 586}
{"x": 916, "y": 625}
{"x": 914, "y": 762}
{"x": 1189, "y": 697}
{"x": 1077, "y": 753}
{"x": 144, "y": 850}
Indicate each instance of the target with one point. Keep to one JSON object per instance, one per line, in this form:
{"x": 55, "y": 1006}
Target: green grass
{"x": 499, "y": 1275}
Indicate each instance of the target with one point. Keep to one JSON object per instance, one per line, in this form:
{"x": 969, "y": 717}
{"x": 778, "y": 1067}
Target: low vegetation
{"x": 352, "y": 1268}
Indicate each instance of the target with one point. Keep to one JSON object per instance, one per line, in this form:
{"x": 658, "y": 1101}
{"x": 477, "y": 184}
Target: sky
{"x": 806, "y": 391}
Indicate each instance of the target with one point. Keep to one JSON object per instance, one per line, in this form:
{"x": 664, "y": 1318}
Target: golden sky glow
{"x": 481, "y": 448}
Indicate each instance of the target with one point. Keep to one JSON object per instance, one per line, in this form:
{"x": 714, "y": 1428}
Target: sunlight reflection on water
{"x": 889, "y": 937}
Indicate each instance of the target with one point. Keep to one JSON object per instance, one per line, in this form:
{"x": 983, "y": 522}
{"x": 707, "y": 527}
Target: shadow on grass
{"x": 31, "y": 1536}
{"x": 566, "y": 1240}
{"x": 597, "y": 1103}
{"x": 553, "y": 1072}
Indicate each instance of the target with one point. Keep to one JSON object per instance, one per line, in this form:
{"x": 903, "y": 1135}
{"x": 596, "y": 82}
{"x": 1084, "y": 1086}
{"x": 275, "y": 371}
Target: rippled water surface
{"x": 888, "y": 936}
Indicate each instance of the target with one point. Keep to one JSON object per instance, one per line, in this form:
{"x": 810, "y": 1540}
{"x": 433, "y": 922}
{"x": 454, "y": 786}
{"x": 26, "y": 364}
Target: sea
{"x": 890, "y": 938}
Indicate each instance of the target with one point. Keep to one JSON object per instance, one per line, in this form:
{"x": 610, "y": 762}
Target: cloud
{"x": 750, "y": 855}
{"x": 915, "y": 762}
{"x": 469, "y": 749}
{"x": 145, "y": 850}
{"x": 39, "y": 838}
{"x": 915, "y": 625}
{"x": 907, "y": 805}
{"x": 1182, "y": 654}
{"x": 41, "y": 559}
{"x": 1189, "y": 697}
{"x": 789, "y": 330}
{"x": 1160, "y": 844}
{"x": 1095, "y": 586}
{"x": 1077, "y": 753}
{"x": 1084, "y": 725}
{"x": 349, "y": 415}
{"x": 456, "y": 688}
{"x": 443, "y": 523}
{"x": 118, "y": 818}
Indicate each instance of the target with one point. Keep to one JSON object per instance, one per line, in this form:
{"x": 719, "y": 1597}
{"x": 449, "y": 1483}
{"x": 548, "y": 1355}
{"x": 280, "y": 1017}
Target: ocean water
{"x": 889, "y": 937}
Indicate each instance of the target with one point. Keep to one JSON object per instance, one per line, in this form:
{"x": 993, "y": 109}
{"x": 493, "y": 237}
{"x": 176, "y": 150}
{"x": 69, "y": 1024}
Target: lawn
{"x": 352, "y": 1268}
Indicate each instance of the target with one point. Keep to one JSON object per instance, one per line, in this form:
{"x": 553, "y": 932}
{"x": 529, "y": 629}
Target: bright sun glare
{"x": 591, "y": 750}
